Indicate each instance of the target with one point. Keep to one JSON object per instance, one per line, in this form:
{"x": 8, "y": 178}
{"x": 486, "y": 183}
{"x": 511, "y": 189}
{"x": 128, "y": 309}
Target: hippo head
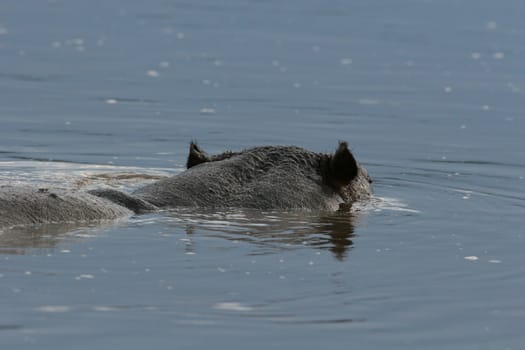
{"x": 338, "y": 169}
{"x": 320, "y": 176}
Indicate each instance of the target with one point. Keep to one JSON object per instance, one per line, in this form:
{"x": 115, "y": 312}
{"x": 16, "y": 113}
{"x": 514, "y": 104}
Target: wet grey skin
{"x": 269, "y": 177}
{"x": 265, "y": 178}
{"x": 23, "y": 206}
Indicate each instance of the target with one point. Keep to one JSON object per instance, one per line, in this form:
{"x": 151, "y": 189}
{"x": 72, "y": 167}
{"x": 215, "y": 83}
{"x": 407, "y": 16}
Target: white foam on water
{"x": 232, "y": 306}
{"x": 75, "y": 176}
{"x": 53, "y": 308}
{"x": 207, "y": 110}
{"x": 152, "y": 73}
{"x": 387, "y": 203}
{"x": 471, "y": 258}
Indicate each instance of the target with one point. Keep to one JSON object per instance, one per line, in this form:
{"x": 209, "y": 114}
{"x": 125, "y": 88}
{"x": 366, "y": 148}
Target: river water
{"x": 429, "y": 94}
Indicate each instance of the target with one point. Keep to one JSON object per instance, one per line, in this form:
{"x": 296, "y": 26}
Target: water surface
{"x": 429, "y": 94}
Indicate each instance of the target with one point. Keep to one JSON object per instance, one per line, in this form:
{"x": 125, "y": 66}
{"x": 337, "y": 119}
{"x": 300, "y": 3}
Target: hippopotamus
{"x": 265, "y": 178}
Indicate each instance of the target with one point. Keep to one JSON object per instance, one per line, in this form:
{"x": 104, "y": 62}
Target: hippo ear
{"x": 196, "y": 156}
{"x": 341, "y": 167}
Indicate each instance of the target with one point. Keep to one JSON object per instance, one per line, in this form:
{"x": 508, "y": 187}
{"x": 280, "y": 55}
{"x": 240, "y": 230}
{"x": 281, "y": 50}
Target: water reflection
{"x": 273, "y": 231}
{"x": 18, "y": 240}
{"x": 267, "y": 232}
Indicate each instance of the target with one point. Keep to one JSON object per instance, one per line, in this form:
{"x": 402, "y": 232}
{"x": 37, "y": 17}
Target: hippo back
{"x": 272, "y": 177}
{"x": 30, "y": 206}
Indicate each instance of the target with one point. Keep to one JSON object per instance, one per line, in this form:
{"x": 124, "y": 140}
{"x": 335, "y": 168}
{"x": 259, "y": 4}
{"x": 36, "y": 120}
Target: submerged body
{"x": 270, "y": 177}
{"x": 22, "y": 206}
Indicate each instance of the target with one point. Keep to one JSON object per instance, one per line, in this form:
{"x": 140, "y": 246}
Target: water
{"x": 429, "y": 94}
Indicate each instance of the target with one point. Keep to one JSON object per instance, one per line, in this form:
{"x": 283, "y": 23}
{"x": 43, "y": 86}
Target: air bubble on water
{"x": 164, "y": 64}
{"x": 84, "y": 276}
{"x": 498, "y": 55}
{"x": 491, "y": 25}
{"x": 447, "y": 89}
{"x": 180, "y": 35}
{"x": 28, "y": 273}
{"x": 217, "y": 63}
{"x": 485, "y": 107}
{"x": 367, "y": 101}
{"x": 471, "y": 258}
{"x": 462, "y": 126}
{"x": 275, "y": 63}
{"x": 316, "y": 48}
{"x": 168, "y": 30}
{"x": 105, "y": 308}
{"x": 75, "y": 42}
{"x": 513, "y": 87}
{"x": 232, "y": 306}
{"x": 56, "y": 44}
{"x": 53, "y": 308}
{"x": 495, "y": 261}
{"x": 207, "y": 110}
{"x": 3, "y": 30}
{"x": 296, "y": 85}
{"x": 346, "y": 61}
{"x": 206, "y": 82}
{"x": 475, "y": 55}
{"x": 111, "y": 101}
{"x": 152, "y": 73}
{"x": 65, "y": 251}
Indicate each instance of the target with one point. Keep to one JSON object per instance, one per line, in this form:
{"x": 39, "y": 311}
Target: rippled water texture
{"x": 429, "y": 94}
